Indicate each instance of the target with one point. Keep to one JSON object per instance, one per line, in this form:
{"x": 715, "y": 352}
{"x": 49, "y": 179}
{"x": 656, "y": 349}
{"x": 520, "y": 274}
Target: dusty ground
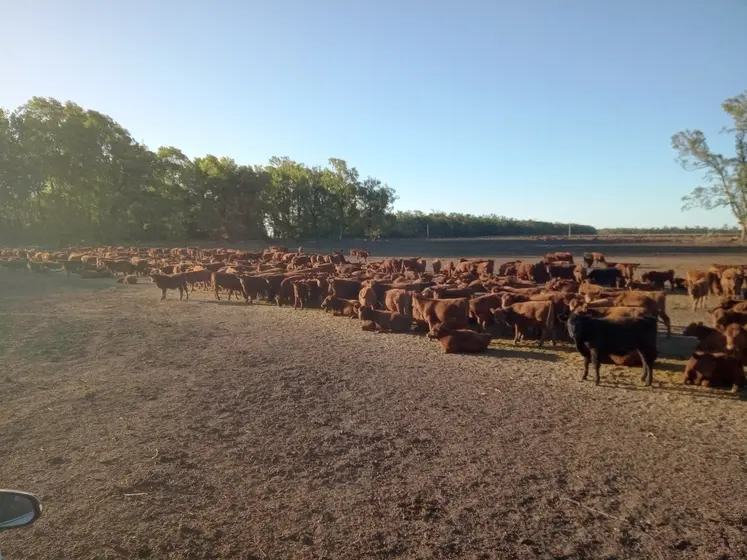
{"x": 212, "y": 430}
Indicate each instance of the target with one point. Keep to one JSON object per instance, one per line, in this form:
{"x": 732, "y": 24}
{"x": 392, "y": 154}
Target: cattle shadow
{"x": 224, "y": 302}
{"x": 680, "y": 390}
{"x": 520, "y": 353}
{"x": 665, "y": 366}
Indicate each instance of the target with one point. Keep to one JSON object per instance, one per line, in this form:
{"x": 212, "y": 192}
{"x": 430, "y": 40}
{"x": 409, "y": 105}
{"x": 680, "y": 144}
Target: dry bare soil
{"x": 208, "y": 429}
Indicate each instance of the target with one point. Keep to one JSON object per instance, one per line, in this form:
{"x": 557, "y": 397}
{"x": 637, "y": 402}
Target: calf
{"x": 698, "y": 291}
{"x": 455, "y": 341}
{"x": 599, "y": 338}
{"x": 386, "y": 320}
{"x": 170, "y": 282}
{"x": 529, "y": 315}
{"x": 342, "y": 307}
{"x": 716, "y": 370}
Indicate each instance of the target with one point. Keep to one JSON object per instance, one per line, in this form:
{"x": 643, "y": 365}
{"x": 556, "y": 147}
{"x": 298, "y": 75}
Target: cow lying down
{"x": 385, "y": 321}
{"x": 717, "y": 369}
{"x": 343, "y": 307}
{"x": 456, "y": 341}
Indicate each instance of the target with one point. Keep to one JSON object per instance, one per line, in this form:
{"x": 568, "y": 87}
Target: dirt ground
{"x": 207, "y": 429}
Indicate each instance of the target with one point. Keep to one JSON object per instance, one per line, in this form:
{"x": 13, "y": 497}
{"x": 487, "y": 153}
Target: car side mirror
{"x": 18, "y": 509}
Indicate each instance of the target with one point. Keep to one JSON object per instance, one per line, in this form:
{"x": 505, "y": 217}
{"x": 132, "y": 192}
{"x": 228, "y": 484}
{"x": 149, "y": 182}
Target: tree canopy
{"x": 726, "y": 177}
{"x": 72, "y": 175}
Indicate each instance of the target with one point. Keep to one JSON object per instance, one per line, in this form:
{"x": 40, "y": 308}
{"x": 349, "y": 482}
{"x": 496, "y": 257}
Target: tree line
{"x": 670, "y": 230}
{"x": 71, "y": 175}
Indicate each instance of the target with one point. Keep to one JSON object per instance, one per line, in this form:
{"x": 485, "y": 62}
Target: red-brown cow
{"x": 524, "y": 317}
{"x": 457, "y": 341}
{"x": 454, "y": 313}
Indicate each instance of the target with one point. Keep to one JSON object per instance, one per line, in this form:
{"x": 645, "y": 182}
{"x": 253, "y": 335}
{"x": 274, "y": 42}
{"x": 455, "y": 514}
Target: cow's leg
{"x": 181, "y": 293}
{"x": 186, "y": 292}
{"x": 596, "y": 358}
{"x": 646, "y": 362}
{"x": 163, "y": 293}
{"x": 667, "y": 323}
{"x": 584, "y": 351}
{"x": 516, "y": 334}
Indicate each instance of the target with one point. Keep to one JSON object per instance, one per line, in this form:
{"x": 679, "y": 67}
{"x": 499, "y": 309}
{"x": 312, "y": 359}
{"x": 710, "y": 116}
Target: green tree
{"x": 726, "y": 176}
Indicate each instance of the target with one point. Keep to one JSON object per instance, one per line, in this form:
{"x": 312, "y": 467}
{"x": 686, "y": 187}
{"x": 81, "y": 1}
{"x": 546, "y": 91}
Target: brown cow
{"x": 480, "y": 308}
{"x": 226, "y": 281}
{"x": 253, "y": 286}
{"x": 724, "y": 317}
{"x": 386, "y": 320}
{"x": 591, "y": 258}
{"x": 170, "y": 282}
{"x": 436, "y": 266}
{"x": 529, "y": 315}
{"x": 367, "y": 297}
{"x": 579, "y": 273}
{"x": 698, "y": 291}
{"x": 655, "y": 302}
{"x": 657, "y": 278}
{"x": 194, "y": 277}
{"x": 344, "y": 289}
{"x": 731, "y": 282}
{"x": 342, "y": 307}
{"x": 559, "y": 257}
{"x": 717, "y": 369}
{"x": 300, "y": 294}
{"x": 398, "y": 300}
{"x": 733, "y": 339}
{"x": 455, "y": 341}
{"x": 446, "y": 292}
{"x": 453, "y": 313}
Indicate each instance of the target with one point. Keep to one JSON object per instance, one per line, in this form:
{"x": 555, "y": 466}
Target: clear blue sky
{"x": 549, "y": 109}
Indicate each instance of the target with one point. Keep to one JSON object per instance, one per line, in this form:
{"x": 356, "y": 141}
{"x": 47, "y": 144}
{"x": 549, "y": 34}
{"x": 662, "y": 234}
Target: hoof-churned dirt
{"x": 208, "y": 429}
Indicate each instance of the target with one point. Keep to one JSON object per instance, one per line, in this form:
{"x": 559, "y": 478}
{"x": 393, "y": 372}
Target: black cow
{"x": 605, "y": 277}
{"x": 559, "y": 271}
{"x": 596, "y": 339}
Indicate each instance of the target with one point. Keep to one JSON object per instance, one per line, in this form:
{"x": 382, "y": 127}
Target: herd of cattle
{"x": 610, "y": 315}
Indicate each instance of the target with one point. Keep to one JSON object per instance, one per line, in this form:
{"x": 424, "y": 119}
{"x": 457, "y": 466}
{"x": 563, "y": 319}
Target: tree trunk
{"x": 744, "y": 232}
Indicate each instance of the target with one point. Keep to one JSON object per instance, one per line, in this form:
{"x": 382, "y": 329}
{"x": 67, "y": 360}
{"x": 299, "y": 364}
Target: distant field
{"x": 517, "y": 247}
